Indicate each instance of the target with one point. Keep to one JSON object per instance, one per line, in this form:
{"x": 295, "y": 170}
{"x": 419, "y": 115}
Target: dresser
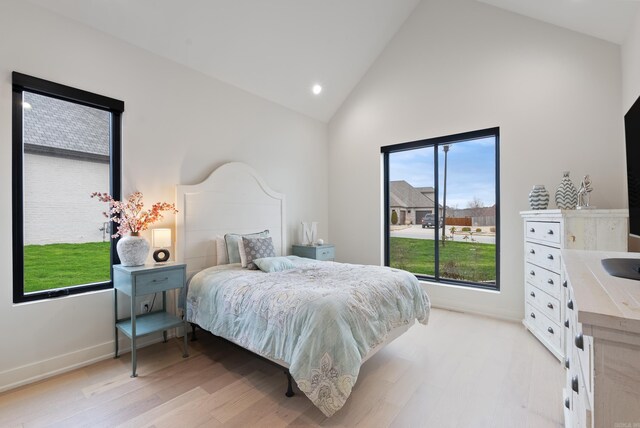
{"x": 603, "y": 348}
{"x": 546, "y": 233}
{"x": 318, "y": 252}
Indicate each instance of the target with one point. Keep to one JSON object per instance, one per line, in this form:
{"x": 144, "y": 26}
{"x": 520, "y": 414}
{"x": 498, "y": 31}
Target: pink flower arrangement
{"x": 129, "y": 214}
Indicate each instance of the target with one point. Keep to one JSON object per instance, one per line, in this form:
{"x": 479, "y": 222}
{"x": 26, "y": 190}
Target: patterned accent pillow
{"x": 233, "y": 241}
{"x": 257, "y": 248}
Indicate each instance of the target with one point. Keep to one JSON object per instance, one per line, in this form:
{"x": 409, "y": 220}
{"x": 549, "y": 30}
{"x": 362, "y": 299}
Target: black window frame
{"x": 436, "y": 143}
{"x": 21, "y": 83}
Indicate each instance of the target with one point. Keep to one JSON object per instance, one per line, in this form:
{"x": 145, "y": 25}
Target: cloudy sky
{"x": 471, "y": 170}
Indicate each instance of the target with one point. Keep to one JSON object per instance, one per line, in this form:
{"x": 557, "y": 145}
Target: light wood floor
{"x": 459, "y": 371}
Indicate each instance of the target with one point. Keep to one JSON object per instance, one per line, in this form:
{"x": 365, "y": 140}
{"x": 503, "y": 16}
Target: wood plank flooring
{"x": 459, "y": 371}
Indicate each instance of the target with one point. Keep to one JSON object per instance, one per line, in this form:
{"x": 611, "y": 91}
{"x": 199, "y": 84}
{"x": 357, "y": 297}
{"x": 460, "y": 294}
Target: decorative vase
{"x": 539, "y": 197}
{"x": 566, "y": 193}
{"x": 132, "y": 250}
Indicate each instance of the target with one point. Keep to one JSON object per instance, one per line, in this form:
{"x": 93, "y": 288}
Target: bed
{"x": 319, "y": 320}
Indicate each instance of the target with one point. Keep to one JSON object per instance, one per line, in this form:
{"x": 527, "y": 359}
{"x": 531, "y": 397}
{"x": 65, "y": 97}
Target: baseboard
{"x": 43, "y": 369}
{"x": 457, "y": 307}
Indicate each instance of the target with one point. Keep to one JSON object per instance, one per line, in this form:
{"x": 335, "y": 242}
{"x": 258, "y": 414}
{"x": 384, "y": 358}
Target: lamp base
{"x": 161, "y": 255}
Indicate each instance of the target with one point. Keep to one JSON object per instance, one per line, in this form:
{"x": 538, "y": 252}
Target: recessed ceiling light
{"x": 26, "y": 105}
{"x": 316, "y": 89}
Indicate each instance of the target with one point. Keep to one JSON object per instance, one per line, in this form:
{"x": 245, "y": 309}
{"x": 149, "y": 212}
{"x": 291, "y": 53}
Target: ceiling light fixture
{"x": 316, "y": 89}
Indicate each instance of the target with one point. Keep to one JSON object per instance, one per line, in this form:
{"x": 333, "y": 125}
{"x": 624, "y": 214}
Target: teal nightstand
{"x": 137, "y": 281}
{"x": 318, "y": 252}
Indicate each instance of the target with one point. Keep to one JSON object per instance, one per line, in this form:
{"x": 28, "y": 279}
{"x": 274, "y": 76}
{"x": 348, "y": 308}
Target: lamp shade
{"x": 161, "y": 238}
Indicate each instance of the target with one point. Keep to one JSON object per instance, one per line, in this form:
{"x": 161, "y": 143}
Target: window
{"x": 442, "y": 209}
{"x": 66, "y": 144}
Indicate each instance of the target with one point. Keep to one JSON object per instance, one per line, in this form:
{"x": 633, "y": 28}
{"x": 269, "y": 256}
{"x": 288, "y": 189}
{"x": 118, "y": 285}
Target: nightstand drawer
{"x": 318, "y": 252}
{"x": 154, "y": 282}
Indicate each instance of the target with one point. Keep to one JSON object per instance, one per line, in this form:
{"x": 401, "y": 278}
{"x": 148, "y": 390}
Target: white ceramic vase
{"x": 539, "y": 198}
{"x": 132, "y": 250}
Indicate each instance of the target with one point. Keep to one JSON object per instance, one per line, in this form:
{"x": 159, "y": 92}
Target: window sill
{"x": 61, "y": 298}
{"x": 458, "y": 286}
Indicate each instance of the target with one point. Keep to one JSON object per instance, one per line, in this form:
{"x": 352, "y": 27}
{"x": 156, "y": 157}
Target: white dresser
{"x": 603, "y": 347}
{"x": 546, "y": 232}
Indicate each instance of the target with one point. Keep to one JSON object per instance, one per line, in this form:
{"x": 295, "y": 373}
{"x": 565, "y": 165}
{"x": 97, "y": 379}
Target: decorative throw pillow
{"x": 274, "y": 264}
{"x": 221, "y": 251}
{"x": 257, "y": 248}
{"x": 233, "y": 239}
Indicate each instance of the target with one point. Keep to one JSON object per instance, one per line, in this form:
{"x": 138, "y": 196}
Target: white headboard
{"x": 233, "y": 199}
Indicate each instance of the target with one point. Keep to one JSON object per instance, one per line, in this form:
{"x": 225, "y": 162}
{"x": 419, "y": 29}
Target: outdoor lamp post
{"x": 444, "y": 193}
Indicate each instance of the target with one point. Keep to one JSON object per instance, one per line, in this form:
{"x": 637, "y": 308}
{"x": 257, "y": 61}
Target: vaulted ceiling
{"x": 278, "y": 49}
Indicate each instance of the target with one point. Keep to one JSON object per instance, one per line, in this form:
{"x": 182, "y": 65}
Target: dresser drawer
{"x": 544, "y": 326}
{"x": 156, "y": 281}
{"x": 549, "y": 305}
{"x": 542, "y": 255}
{"x": 545, "y": 231}
{"x": 543, "y": 279}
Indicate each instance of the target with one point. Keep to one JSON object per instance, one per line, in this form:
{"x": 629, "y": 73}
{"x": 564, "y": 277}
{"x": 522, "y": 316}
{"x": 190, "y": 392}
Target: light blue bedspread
{"x": 321, "y": 318}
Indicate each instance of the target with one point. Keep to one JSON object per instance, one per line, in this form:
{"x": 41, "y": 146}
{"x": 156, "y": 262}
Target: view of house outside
{"x": 66, "y": 157}
{"x": 466, "y": 207}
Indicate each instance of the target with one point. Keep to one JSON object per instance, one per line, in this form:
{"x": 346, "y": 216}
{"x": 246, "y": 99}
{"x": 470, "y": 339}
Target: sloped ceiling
{"x": 278, "y": 49}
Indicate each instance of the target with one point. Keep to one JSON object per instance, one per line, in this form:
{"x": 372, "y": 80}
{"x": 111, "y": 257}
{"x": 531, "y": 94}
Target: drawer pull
{"x": 550, "y": 281}
{"x": 550, "y": 330}
{"x": 550, "y": 305}
{"x": 566, "y": 323}
{"x": 532, "y": 273}
{"x": 567, "y": 403}
{"x": 574, "y": 384}
{"x": 580, "y": 342}
{"x": 532, "y": 230}
{"x": 567, "y": 363}
{"x": 564, "y": 284}
{"x": 532, "y": 294}
{"x": 570, "y": 304}
{"x": 550, "y": 256}
{"x": 533, "y": 315}
{"x": 550, "y": 232}
{"x": 161, "y": 280}
{"x": 532, "y": 251}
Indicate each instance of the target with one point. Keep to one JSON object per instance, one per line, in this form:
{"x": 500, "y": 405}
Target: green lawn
{"x": 469, "y": 261}
{"x": 63, "y": 265}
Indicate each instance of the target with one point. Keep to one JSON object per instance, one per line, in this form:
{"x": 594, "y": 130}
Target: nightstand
{"x": 135, "y": 281}
{"x": 318, "y": 252}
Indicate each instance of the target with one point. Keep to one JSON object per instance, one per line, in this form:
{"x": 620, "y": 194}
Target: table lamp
{"x": 161, "y": 239}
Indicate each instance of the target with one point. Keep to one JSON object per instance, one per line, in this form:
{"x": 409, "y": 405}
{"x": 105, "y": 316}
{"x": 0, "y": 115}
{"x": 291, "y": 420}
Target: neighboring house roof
{"x": 403, "y": 194}
{"x": 61, "y": 128}
{"x": 475, "y": 212}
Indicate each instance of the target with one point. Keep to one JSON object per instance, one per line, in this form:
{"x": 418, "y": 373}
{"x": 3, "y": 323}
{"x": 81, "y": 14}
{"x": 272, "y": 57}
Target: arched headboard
{"x": 233, "y": 199}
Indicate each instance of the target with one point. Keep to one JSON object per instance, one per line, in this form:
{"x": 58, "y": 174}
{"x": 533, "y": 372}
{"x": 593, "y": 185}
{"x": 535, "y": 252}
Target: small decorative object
{"x": 584, "y": 194}
{"x": 161, "y": 239}
{"x": 309, "y": 232}
{"x": 566, "y": 193}
{"x": 132, "y": 219}
{"x": 539, "y": 197}
{"x": 319, "y": 242}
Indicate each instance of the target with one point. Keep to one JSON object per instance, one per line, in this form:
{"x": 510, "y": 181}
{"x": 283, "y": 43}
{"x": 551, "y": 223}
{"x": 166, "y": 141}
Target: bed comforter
{"x": 321, "y": 318}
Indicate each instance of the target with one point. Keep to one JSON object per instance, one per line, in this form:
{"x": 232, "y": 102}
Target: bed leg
{"x": 193, "y": 332}
{"x": 289, "y": 392}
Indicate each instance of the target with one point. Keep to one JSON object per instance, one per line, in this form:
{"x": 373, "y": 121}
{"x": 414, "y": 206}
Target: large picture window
{"x": 441, "y": 203}
{"x": 66, "y": 144}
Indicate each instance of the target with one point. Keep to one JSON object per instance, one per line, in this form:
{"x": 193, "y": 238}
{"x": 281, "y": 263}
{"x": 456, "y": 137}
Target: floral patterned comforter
{"x": 321, "y": 318}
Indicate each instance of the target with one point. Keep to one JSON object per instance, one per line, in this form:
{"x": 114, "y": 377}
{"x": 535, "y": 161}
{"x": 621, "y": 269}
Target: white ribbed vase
{"x": 539, "y": 198}
{"x": 132, "y": 250}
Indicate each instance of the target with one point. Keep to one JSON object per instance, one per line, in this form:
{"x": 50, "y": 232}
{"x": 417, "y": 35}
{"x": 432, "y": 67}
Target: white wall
{"x": 177, "y": 127}
{"x": 459, "y": 65}
{"x": 57, "y": 206}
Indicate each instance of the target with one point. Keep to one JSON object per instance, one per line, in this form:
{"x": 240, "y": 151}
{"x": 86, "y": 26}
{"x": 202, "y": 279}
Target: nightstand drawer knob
{"x": 161, "y": 280}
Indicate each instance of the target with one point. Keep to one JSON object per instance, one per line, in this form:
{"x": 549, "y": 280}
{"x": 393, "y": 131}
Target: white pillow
{"x": 221, "y": 251}
{"x": 243, "y": 254}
